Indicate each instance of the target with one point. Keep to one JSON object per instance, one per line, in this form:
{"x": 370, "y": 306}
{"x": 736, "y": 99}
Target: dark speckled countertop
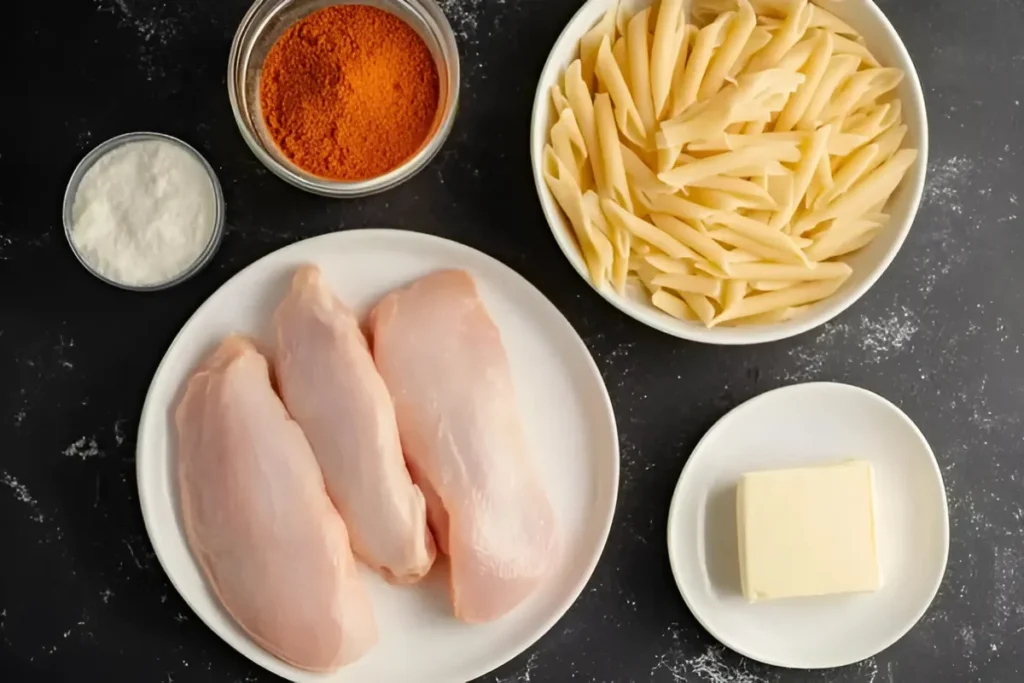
{"x": 81, "y": 594}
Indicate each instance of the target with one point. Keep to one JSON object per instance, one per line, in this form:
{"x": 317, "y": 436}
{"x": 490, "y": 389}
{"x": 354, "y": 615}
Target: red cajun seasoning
{"x": 349, "y": 92}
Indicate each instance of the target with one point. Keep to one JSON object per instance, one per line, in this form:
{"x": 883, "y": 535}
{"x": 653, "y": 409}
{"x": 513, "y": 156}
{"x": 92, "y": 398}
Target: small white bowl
{"x": 868, "y": 264}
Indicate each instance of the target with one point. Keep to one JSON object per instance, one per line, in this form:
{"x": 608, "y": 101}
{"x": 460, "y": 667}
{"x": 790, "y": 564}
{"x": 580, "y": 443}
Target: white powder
{"x": 144, "y": 213}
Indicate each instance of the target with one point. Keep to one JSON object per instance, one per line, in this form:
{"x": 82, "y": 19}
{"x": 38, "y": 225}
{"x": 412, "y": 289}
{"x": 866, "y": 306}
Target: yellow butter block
{"x": 807, "y": 531}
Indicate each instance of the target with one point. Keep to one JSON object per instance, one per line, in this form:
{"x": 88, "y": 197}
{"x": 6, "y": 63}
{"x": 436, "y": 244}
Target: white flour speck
{"x": 709, "y": 667}
{"x": 880, "y": 339}
{"x": 523, "y": 676}
{"x": 945, "y": 180}
{"x": 811, "y": 358}
{"x": 966, "y": 636}
{"x": 19, "y": 417}
{"x": 887, "y": 336}
{"x": 464, "y": 16}
{"x": 85, "y": 448}
{"x": 106, "y": 595}
{"x": 1009, "y": 562}
{"x": 21, "y": 493}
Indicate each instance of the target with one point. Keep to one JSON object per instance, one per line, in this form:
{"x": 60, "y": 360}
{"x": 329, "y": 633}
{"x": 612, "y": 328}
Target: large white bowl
{"x": 868, "y": 264}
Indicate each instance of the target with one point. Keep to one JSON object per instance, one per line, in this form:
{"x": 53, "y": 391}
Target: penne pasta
{"x": 679, "y": 207}
{"x": 673, "y": 305}
{"x": 707, "y": 41}
{"x": 849, "y": 172}
{"x": 814, "y": 70}
{"x": 770, "y": 285}
{"x": 868, "y": 192}
{"x": 768, "y": 318}
{"x": 759, "y": 37}
{"x": 611, "y": 77}
{"x": 737, "y": 33}
{"x": 846, "y": 46}
{"x": 664, "y": 50}
{"x": 694, "y": 239}
{"x": 640, "y": 175}
{"x": 887, "y": 143}
{"x": 733, "y": 293}
{"x": 839, "y": 67}
{"x": 591, "y": 42}
{"x": 884, "y": 82}
{"x": 622, "y": 61}
{"x": 700, "y": 305}
{"x": 592, "y": 207}
{"x": 696, "y": 284}
{"x": 667, "y": 264}
{"x": 724, "y": 168}
{"x": 578, "y": 95}
{"x": 855, "y": 244}
{"x": 795, "y": 295}
{"x": 640, "y": 68}
{"x": 719, "y": 164}
{"x": 729, "y": 237}
{"x": 821, "y": 17}
{"x": 787, "y": 36}
{"x": 764, "y": 235}
{"x": 640, "y": 228}
{"x": 568, "y": 144}
{"x": 829, "y": 242}
{"x": 558, "y": 99}
{"x": 816, "y": 150}
{"x": 753, "y": 195}
{"x": 594, "y": 246}
{"x": 781, "y": 271}
{"x": 611, "y": 153}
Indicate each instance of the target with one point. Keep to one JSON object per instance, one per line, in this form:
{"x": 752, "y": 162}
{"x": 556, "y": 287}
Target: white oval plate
{"x": 566, "y": 410}
{"x": 789, "y": 427}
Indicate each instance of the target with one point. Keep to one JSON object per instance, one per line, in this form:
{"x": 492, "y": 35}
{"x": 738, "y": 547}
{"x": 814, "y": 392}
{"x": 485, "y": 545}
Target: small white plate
{"x": 566, "y": 410}
{"x": 801, "y": 425}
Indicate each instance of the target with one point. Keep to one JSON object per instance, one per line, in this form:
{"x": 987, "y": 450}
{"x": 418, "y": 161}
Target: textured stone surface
{"x": 81, "y": 593}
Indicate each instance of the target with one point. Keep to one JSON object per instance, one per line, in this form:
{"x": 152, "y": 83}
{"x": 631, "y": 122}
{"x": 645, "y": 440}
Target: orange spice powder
{"x": 349, "y": 92}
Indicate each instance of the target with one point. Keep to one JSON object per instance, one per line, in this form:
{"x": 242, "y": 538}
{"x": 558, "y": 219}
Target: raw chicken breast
{"x": 258, "y": 520}
{"x": 442, "y": 358}
{"x": 331, "y": 387}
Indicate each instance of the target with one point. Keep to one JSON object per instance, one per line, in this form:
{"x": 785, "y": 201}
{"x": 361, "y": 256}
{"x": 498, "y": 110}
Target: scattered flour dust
{"x": 945, "y": 180}
{"x": 142, "y": 16}
{"x": 1009, "y": 589}
{"x": 887, "y": 336}
{"x": 879, "y": 339}
{"x": 709, "y": 667}
{"x": 464, "y": 15}
{"x": 525, "y": 675}
{"x": 84, "y": 448}
{"x": 21, "y": 494}
{"x": 156, "y": 23}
